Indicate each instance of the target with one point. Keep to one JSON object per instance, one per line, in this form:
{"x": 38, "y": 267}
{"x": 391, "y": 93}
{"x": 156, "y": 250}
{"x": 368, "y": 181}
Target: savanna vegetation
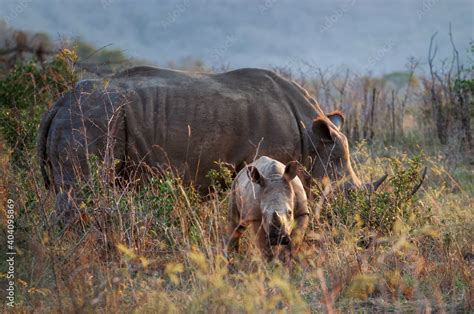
{"x": 158, "y": 248}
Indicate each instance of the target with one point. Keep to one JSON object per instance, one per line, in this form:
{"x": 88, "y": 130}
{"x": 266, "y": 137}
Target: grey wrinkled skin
{"x": 151, "y": 118}
{"x": 269, "y": 197}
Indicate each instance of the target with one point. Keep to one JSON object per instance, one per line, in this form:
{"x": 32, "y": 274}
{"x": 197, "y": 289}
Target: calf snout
{"x": 277, "y": 233}
{"x": 279, "y": 238}
{"x": 282, "y": 239}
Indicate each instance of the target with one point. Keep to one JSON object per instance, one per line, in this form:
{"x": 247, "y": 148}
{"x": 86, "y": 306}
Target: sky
{"x": 362, "y": 35}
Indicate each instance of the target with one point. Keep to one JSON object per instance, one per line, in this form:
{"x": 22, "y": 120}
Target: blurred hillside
{"x": 19, "y": 45}
{"x": 362, "y": 35}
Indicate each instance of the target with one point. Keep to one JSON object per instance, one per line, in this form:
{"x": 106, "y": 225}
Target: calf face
{"x": 277, "y": 201}
{"x": 269, "y": 197}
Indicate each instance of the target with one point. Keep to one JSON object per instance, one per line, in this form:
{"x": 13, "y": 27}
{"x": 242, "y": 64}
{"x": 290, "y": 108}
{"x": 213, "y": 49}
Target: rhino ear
{"x": 321, "y": 131}
{"x": 255, "y": 175}
{"x": 337, "y": 118}
{"x": 291, "y": 170}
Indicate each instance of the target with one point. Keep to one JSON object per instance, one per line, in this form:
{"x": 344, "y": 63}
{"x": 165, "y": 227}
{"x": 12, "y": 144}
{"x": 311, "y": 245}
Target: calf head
{"x": 277, "y": 202}
{"x": 330, "y": 153}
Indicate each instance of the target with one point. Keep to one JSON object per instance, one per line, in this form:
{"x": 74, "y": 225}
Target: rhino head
{"x": 277, "y": 203}
{"x": 330, "y": 154}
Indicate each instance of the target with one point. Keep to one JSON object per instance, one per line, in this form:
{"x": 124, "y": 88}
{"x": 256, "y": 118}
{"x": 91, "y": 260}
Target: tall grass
{"x": 158, "y": 247}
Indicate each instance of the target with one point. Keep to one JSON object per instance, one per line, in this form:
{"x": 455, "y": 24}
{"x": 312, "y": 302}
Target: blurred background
{"x": 363, "y": 35}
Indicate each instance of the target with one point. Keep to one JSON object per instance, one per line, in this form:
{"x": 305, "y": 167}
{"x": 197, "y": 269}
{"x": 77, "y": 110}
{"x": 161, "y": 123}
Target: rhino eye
{"x": 290, "y": 212}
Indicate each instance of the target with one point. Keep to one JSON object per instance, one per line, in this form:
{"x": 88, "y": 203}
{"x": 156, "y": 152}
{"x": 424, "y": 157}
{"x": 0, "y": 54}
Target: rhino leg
{"x": 298, "y": 232}
{"x": 80, "y": 130}
{"x": 234, "y": 229}
{"x": 67, "y": 199}
{"x": 65, "y": 206}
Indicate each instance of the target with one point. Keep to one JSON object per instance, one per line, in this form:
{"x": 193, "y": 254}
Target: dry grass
{"x": 159, "y": 249}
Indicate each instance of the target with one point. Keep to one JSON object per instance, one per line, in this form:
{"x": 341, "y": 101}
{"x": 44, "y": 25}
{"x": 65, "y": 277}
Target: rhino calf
{"x": 269, "y": 197}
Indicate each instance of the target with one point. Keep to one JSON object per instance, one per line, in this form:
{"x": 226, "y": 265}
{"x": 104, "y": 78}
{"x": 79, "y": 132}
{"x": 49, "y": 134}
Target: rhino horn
{"x": 374, "y": 185}
{"x": 417, "y": 187}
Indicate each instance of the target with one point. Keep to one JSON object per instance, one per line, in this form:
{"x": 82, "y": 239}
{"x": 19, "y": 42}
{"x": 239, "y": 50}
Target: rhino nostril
{"x": 280, "y": 239}
{"x": 285, "y": 240}
{"x": 274, "y": 232}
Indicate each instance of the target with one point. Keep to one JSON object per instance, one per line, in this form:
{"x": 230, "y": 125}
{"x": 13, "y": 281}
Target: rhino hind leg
{"x": 234, "y": 229}
{"x": 66, "y": 209}
{"x": 69, "y": 169}
{"x": 68, "y": 200}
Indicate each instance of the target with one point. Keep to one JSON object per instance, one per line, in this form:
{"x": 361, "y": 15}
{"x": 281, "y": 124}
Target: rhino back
{"x": 194, "y": 119}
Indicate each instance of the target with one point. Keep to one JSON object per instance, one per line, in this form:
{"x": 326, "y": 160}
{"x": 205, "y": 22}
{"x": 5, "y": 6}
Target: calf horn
{"x": 417, "y": 187}
{"x": 373, "y": 186}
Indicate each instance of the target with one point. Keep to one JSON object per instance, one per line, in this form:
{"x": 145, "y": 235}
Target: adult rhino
{"x": 184, "y": 121}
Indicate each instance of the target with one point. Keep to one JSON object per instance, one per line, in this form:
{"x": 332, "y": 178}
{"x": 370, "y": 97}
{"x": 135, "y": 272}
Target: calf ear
{"x": 321, "y": 131}
{"x": 255, "y": 175}
{"x": 337, "y": 118}
{"x": 291, "y": 170}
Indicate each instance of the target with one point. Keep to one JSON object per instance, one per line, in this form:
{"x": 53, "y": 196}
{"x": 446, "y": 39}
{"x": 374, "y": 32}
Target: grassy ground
{"x": 159, "y": 248}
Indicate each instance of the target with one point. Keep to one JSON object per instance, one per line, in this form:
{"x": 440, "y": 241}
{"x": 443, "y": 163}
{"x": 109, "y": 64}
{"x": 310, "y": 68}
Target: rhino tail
{"x": 42, "y": 140}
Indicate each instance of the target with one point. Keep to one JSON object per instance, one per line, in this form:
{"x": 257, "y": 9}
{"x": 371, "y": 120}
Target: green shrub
{"x": 27, "y": 91}
{"x": 380, "y": 211}
{"x": 91, "y": 55}
{"x": 221, "y": 178}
